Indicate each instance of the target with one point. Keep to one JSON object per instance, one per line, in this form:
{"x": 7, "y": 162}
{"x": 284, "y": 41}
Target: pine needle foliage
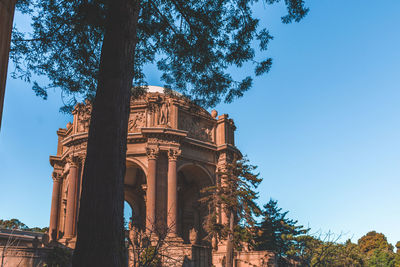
{"x": 193, "y": 43}
{"x": 235, "y": 196}
{"x": 278, "y": 233}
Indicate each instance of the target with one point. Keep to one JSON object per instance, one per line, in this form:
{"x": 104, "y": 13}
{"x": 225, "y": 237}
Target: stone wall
{"x": 23, "y": 256}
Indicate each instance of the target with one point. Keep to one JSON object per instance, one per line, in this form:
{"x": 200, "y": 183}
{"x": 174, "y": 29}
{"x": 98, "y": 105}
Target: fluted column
{"x": 152, "y": 154}
{"x": 71, "y": 197}
{"x": 172, "y": 203}
{"x": 55, "y": 206}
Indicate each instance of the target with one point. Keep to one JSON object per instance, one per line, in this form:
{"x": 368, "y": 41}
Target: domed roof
{"x": 155, "y": 89}
{"x": 161, "y": 90}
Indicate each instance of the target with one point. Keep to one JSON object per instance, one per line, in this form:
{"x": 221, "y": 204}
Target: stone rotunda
{"x": 174, "y": 150}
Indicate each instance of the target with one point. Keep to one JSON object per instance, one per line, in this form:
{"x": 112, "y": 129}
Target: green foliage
{"x": 236, "y": 194}
{"x": 381, "y": 258}
{"x": 193, "y": 43}
{"x": 373, "y": 241}
{"x": 278, "y": 233}
{"x": 39, "y": 230}
{"x": 377, "y": 250}
{"x": 13, "y": 224}
{"x": 372, "y": 250}
{"x": 150, "y": 257}
{"x": 59, "y": 257}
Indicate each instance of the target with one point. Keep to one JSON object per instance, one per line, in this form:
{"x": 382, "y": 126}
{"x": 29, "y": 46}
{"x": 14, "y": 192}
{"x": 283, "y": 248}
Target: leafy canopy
{"x": 193, "y": 43}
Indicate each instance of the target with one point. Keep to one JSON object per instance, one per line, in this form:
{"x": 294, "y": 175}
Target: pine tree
{"x": 233, "y": 196}
{"x": 278, "y": 233}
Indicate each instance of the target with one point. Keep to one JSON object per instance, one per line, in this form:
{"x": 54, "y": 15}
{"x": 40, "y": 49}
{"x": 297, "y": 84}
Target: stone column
{"x": 172, "y": 203}
{"x": 152, "y": 154}
{"x": 71, "y": 197}
{"x": 55, "y": 206}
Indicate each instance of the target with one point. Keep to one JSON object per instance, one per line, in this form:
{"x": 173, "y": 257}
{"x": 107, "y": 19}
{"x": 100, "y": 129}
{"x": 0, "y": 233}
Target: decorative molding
{"x": 73, "y": 160}
{"x": 57, "y": 177}
{"x": 152, "y": 152}
{"x": 173, "y": 154}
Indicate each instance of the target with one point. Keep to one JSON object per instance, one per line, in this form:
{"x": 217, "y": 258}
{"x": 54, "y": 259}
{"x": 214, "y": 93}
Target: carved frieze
{"x": 196, "y": 127}
{"x": 167, "y": 140}
{"x": 137, "y": 120}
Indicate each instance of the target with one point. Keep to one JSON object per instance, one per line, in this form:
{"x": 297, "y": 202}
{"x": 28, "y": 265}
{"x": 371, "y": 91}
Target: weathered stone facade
{"x": 174, "y": 150}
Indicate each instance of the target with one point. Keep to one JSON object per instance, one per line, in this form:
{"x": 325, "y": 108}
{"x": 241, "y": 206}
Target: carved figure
{"x": 136, "y": 121}
{"x": 163, "y": 114}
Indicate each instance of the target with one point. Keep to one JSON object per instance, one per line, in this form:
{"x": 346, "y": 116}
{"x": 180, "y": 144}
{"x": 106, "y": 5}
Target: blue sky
{"x": 323, "y": 125}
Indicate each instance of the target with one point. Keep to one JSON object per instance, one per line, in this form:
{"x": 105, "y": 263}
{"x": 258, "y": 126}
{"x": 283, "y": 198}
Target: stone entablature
{"x": 174, "y": 148}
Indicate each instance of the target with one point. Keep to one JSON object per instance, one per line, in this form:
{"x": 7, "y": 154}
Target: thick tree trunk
{"x": 100, "y": 225}
{"x": 6, "y": 20}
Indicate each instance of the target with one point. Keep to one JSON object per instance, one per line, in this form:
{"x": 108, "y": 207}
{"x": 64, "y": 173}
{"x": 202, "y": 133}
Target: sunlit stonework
{"x": 174, "y": 149}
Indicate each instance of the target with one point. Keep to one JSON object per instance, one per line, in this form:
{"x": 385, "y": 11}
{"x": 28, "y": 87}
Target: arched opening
{"x": 127, "y": 214}
{"x": 191, "y": 212}
{"x": 134, "y": 193}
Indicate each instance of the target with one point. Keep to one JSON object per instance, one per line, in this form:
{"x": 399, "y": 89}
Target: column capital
{"x": 152, "y": 152}
{"x": 173, "y": 154}
{"x": 57, "y": 177}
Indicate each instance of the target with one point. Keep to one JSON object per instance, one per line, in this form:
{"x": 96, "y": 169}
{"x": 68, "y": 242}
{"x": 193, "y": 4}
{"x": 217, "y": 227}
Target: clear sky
{"x": 323, "y": 125}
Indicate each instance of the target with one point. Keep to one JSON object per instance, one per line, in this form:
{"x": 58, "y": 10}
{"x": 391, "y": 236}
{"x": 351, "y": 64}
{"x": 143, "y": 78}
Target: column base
{"x": 68, "y": 241}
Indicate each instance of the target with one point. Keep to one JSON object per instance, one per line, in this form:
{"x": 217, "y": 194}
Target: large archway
{"x": 191, "y": 212}
{"x": 134, "y": 194}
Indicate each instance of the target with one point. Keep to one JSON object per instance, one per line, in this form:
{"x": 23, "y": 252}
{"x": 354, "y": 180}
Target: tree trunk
{"x": 100, "y": 232}
{"x": 229, "y": 246}
{"x": 7, "y": 8}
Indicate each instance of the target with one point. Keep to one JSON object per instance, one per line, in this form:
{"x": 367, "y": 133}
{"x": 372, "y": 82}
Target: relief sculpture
{"x": 196, "y": 128}
{"x": 163, "y": 114}
{"x": 136, "y": 121}
{"x": 84, "y": 112}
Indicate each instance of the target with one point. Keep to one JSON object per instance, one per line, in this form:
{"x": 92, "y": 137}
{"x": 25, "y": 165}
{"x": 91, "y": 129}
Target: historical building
{"x": 174, "y": 150}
